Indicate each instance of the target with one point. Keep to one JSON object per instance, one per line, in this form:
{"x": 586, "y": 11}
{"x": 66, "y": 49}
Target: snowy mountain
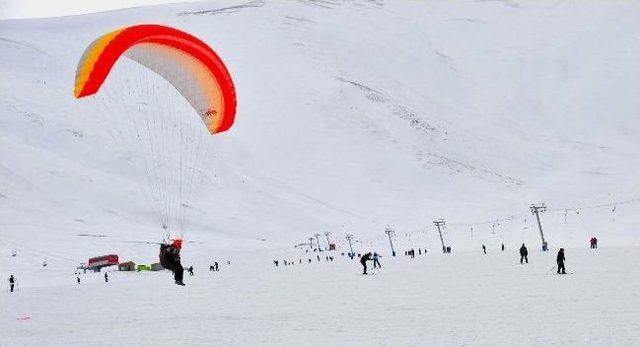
{"x": 352, "y": 115}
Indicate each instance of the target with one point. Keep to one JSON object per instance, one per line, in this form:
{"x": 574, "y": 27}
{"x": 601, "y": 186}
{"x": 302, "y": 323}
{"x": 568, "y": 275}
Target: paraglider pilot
{"x": 170, "y": 259}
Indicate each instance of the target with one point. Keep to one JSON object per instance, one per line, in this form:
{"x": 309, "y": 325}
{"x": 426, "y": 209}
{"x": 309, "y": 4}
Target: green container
{"x": 143, "y": 267}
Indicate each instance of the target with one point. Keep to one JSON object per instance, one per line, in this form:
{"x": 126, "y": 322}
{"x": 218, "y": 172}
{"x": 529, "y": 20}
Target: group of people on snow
{"x": 170, "y": 259}
{"x": 412, "y": 252}
{"x": 276, "y": 262}
{"x": 375, "y": 257}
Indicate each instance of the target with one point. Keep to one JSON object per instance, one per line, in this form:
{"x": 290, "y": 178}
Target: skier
{"x": 12, "y": 283}
{"x": 275, "y": 262}
{"x": 363, "y": 261}
{"x": 376, "y": 261}
{"x": 484, "y": 249}
{"x": 523, "y": 254}
{"x": 503, "y": 247}
{"x": 78, "y": 279}
{"x": 560, "y": 261}
{"x": 106, "y": 277}
{"x": 170, "y": 259}
{"x": 190, "y": 270}
{"x": 215, "y": 264}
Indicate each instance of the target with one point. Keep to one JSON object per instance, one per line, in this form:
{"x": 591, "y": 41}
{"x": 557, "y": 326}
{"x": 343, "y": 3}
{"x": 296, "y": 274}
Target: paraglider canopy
{"x": 186, "y": 62}
{"x": 172, "y": 75}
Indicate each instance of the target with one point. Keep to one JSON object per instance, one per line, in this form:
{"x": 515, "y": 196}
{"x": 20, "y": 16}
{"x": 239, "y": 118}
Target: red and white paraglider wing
{"x": 186, "y": 62}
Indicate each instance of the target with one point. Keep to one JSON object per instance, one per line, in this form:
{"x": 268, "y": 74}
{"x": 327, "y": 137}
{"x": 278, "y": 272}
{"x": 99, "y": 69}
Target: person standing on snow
{"x": 170, "y": 260}
{"x": 503, "y": 247}
{"x": 560, "y": 261}
{"x": 523, "y": 254}
{"x": 12, "y": 283}
{"x": 484, "y": 249}
{"x": 106, "y": 277}
{"x": 376, "y": 261}
{"x": 78, "y": 279}
{"x": 364, "y": 260}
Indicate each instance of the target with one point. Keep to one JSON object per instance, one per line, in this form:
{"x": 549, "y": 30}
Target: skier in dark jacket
{"x": 12, "y": 282}
{"x": 484, "y": 249}
{"x": 170, "y": 259}
{"x": 364, "y": 260}
{"x": 106, "y": 277}
{"x": 523, "y": 254}
{"x": 560, "y": 261}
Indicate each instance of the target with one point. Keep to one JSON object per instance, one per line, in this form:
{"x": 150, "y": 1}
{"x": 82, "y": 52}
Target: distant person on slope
{"x": 364, "y": 260}
{"x": 503, "y": 247}
{"x": 484, "y": 249}
{"x": 560, "y": 261}
{"x": 106, "y": 277}
{"x": 523, "y": 254}
{"x": 376, "y": 260}
{"x": 12, "y": 283}
{"x": 170, "y": 259}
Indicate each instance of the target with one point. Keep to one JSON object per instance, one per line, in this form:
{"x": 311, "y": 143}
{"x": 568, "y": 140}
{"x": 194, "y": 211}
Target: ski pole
{"x": 553, "y": 267}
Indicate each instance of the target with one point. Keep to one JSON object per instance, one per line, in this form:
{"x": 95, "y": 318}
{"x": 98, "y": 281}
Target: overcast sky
{"x": 13, "y": 9}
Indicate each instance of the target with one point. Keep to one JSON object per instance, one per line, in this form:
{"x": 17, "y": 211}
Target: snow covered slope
{"x": 353, "y": 115}
{"x": 464, "y": 300}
